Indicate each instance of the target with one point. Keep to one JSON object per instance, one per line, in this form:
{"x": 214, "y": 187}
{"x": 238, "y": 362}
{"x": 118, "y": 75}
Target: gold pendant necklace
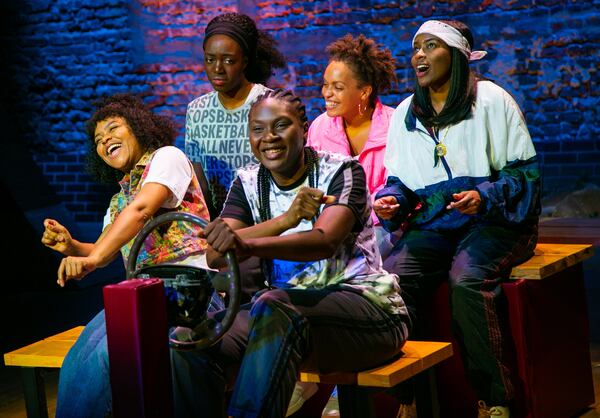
{"x": 440, "y": 149}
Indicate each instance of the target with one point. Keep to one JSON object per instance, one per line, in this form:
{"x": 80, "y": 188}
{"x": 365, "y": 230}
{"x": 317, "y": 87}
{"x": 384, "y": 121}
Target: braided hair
{"x": 311, "y": 162}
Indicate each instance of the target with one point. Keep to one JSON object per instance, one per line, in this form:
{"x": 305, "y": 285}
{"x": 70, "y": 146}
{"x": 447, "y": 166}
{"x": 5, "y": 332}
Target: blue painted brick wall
{"x": 68, "y": 52}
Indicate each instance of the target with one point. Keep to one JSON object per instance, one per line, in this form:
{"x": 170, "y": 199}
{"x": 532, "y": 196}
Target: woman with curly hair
{"x": 355, "y": 122}
{"x": 238, "y": 60}
{"x": 130, "y": 142}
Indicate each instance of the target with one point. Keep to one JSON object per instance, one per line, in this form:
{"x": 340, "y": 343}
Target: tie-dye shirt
{"x": 169, "y": 242}
{"x": 356, "y": 265}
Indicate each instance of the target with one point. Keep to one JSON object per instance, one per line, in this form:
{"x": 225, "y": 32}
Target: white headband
{"x": 451, "y": 36}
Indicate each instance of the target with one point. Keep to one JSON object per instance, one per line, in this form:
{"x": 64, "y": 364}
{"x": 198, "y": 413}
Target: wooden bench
{"x": 550, "y": 259}
{"x": 355, "y": 389}
{"x": 47, "y": 353}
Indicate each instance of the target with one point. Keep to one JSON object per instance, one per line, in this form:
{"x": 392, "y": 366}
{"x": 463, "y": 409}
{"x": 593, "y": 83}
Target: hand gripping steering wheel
{"x": 188, "y": 290}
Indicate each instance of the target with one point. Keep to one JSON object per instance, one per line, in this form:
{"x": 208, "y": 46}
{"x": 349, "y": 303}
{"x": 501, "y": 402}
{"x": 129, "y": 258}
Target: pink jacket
{"x": 327, "y": 133}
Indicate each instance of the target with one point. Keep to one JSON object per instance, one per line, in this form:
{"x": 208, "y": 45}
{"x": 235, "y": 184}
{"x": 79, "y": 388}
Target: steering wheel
{"x": 189, "y": 291}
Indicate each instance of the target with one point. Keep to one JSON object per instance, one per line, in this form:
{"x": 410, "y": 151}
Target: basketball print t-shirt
{"x": 218, "y": 139}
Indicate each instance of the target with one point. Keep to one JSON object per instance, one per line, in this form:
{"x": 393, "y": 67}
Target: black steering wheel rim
{"x": 210, "y": 331}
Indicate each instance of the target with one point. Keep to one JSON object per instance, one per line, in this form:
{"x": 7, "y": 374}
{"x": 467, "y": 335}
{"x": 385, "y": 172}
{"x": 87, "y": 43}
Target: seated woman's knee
{"x": 268, "y": 300}
{"x": 467, "y": 277}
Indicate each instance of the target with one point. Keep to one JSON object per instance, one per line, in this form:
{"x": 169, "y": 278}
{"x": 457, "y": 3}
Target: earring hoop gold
{"x": 361, "y": 111}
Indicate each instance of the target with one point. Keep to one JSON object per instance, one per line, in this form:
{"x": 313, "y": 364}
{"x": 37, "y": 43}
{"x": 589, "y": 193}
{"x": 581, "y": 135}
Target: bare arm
{"x": 306, "y": 205}
{"x": 130, "y": 221}
{"x": 125, "y": 227}
{"x": 331, "y": 228}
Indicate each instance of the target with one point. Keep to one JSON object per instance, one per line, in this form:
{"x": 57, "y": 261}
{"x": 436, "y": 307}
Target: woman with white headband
{"x": 463, "y": 183}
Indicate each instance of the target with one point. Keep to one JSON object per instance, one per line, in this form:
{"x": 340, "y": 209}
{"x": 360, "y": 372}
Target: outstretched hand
{"x": 222, "y": 238}
{"x": 75, "y": 268}
{"x": 57, "y": 237}
{"x": 386, "y": 207}
{"x": 306, "y": 205}
{"x": 467, "y": 202}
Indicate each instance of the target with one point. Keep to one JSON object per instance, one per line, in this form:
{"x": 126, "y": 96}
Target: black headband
{"x": 234, "y": 32}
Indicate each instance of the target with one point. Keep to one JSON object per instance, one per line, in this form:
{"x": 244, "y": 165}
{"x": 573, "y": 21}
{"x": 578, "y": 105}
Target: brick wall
{"x": 60, "y": 56}
{"x": 64, "y": 53}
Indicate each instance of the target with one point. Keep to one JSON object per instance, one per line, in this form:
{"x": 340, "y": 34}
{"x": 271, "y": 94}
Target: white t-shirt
{"x": 171, "y": 168}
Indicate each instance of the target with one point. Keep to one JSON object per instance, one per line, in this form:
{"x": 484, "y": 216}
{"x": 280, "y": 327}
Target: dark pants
{"x": 271, "y": 339}
{"x": 474, "y": 260}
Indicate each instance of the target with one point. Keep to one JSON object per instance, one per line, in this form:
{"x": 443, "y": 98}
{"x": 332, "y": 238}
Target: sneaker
{"x": 492, "y": 412}
{"x": 407, "y": 410}
{"x": 302, "y": 392}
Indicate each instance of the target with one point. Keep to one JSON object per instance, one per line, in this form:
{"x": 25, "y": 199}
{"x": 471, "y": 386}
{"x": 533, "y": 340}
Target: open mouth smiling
{"x": 112, "y": 148}
{"x": 273, "y": 152}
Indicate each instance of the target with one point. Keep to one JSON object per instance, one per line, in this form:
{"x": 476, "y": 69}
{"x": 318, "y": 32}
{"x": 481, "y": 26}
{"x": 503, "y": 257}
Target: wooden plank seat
{"x": 50, "y": 353}
{"x": 355, "y": 389}
{"x": 417, "y": 356}
{"x": 550, "y": 259}
{"x": 47, "y": 353}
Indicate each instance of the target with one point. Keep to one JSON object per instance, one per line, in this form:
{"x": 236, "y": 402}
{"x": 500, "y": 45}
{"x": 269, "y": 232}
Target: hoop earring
{"x": 361, "y": 111}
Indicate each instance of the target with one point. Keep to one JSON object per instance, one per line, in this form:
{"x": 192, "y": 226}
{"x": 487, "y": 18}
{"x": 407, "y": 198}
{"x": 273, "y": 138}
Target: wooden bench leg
{"x": 355, "y": 402}
{"x": 35, "y": 392}
{"x": 426, "y": 395}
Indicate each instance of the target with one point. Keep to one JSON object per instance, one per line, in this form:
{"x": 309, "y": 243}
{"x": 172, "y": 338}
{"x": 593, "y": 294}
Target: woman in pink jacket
{"x": 355, "y": 122}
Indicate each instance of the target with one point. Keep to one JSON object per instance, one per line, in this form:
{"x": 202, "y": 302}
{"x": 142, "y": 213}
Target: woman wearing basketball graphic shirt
{"x": 238, "y": 59}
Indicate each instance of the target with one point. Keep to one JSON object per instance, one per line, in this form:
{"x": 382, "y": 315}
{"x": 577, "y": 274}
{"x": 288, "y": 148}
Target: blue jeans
{"x": 84, "y": 384}
{"x": 260, "y": 357}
